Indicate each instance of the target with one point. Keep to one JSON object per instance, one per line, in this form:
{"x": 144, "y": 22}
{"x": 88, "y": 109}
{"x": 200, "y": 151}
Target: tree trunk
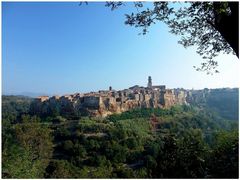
{"x": 228, "y": 24}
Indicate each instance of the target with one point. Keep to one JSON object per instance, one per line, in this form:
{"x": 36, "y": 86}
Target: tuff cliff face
{"x": 104, "y": 103}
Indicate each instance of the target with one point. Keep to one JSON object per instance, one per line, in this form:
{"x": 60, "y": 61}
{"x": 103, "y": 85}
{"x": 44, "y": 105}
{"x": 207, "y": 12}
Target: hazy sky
{"x": 59, "y": 48}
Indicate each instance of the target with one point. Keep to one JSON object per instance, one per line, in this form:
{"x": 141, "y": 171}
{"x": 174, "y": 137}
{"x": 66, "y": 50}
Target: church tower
{"x": 149, "y": 82}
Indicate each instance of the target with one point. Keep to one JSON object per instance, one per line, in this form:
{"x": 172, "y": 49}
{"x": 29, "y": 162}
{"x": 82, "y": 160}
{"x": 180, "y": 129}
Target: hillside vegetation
{"x": 223, "y": 101}
{"x": 180, "y": 142}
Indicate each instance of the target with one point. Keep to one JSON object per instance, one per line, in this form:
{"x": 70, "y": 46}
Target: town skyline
{"x": 110, "y": 88}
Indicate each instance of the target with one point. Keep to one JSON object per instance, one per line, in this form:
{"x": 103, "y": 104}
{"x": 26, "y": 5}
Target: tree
{"x": 36, "y": 139}
{"x": 27, "y": 149}
{"x": 61, "y": 169}
{"x": 223, "y": 161}
{"x": 212, "y": 26}
{"x": 17, "y": 163}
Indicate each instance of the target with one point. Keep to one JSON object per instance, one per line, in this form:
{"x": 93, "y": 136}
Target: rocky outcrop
{"x": 104, "y": 103}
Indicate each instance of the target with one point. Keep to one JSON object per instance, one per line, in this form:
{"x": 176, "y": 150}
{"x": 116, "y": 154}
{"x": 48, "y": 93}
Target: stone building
{"x": 107, "y": 102}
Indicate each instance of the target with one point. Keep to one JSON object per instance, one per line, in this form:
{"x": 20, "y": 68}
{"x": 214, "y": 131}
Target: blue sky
{"x": 59, "y": 48}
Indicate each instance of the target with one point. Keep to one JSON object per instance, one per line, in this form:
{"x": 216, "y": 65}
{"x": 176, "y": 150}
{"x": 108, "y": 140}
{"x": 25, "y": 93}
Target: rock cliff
{"x": 104, "y": 103}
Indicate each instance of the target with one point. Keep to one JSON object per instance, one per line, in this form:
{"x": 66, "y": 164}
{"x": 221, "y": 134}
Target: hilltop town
{"x": 107, "y": 102}
{"x": 103, "y": 103}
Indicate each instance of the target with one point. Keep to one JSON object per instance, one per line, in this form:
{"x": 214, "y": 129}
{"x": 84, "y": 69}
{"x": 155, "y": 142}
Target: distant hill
{"x": 223, "y": 101}
{"x": 28, "y": 94}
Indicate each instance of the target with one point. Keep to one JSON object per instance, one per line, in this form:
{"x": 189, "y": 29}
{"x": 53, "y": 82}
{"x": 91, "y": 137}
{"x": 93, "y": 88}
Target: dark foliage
{"x": 187, "y": 142}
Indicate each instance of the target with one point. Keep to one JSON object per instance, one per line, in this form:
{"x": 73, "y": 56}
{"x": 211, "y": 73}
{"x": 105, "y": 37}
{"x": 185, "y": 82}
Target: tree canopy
{"x": 211, "y": 26}
{"x": 179, "y": 142}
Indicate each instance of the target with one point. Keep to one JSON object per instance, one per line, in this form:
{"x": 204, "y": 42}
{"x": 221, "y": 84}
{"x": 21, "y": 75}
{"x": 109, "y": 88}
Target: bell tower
{"x": 149, "y": 82}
